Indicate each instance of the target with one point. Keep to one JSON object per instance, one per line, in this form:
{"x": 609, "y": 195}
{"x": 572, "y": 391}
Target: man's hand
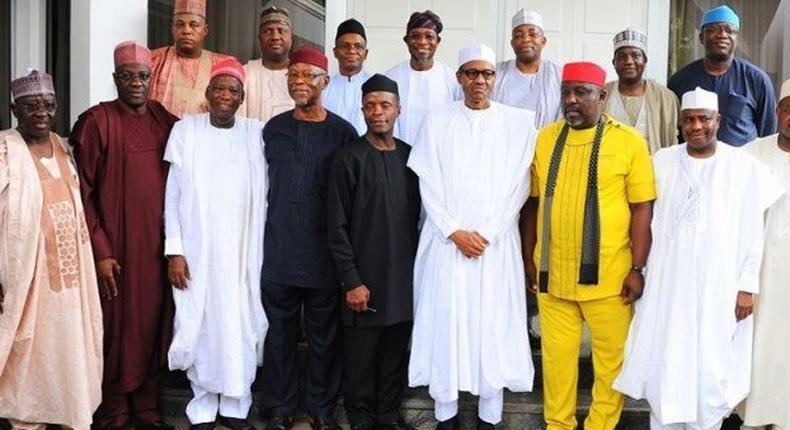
{"x": 470, "y": 243}
{"x": 106, "y": 269}
{"x": 744, "y": 305}
{"x": 633, "y": 286}
{"x": 532, "y": 276}
{"x": 178, "y": 271}
{"x": 2, "y": 298}
{"x": 357, "y": 299}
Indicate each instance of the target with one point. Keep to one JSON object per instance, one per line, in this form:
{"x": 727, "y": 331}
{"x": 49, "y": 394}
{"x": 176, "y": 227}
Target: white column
{"x": 28, "y": 36}
{"x": 96, "y": 27}
{"x": 336, "y": 12}
{"x": 657, "y": 40}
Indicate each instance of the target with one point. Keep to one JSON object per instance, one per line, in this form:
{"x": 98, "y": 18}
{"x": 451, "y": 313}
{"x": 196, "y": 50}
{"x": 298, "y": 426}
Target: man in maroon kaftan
{"x": 119, "y": 147}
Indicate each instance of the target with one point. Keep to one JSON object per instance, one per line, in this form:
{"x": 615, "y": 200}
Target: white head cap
{"x": 630, "y": 37}
{"x": 700, "y": 99}
{"x": 524, "y": 16}
{"x": 785, "y": 91}
{"x": 476, "y": 51}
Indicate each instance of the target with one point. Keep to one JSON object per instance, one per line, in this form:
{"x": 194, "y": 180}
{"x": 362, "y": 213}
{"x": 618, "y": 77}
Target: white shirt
{"x": 421, "y": 92}
{"x": 343, "y": 96}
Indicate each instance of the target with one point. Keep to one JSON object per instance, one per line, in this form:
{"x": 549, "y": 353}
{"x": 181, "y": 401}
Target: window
{"x": 58, "y": 65}
{"x": 233, "y": 24}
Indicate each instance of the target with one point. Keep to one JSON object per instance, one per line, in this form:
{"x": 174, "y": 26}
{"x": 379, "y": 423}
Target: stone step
{"x": 522, "y": 411}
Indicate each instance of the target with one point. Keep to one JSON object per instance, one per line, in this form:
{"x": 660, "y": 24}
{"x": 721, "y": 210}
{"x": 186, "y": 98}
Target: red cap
{"x": 229, "y": 67}
{"x": 131, "y": 52}
{"x": 310, "y": 56}
{"x": 584, "y": 71}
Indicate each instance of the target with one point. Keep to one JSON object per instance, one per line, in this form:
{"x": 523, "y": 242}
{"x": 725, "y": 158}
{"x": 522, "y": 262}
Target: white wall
{"x": 96, "y": 27}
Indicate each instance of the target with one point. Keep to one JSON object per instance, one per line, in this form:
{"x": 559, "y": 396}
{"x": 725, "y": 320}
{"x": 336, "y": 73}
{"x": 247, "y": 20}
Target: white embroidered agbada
{"x": 686, "y": 353}
{"x": 215, "y": 208}
{"x": 421, "y": 92}
{"x": 539, "y": 92}
{"x": 769, "y": 399}
{"x": 470, "y": 324}
{"x": 265, "y": 92}
{"x": 343, "y": 96}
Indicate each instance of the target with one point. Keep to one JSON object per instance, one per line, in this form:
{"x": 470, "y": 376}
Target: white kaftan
{"x": 343, "y": 96}
{"x": 470, "y": 324}
{"x": 686, "y": 353}
{"x": 539, "y": 92}
{"x": 265, "y": 92}
{"x": 769, "y": 399}
{"x": 215, "y": 208}
{"x": 421, "y": 92}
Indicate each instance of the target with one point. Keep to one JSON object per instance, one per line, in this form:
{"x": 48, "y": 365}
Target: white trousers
{"x": 204, "y": 406}
{"x": 488, "y": 409}
{"x": 655, "y": 424}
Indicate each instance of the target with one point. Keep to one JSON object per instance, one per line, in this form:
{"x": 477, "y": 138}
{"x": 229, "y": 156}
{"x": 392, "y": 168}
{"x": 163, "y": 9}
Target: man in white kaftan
{"x": 529, "y": 81}
{"x": 266, "y": 87}
{"x": 425, "y": 85}
{"x": 470, "y": 330}
{"x": 690, "y": 343}
{"x": 343, "y": 95}
{"x": 214, "y": 217}
{"x": 769, "y": 400}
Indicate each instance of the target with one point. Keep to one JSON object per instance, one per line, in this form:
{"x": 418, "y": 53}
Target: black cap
{"x": 351, "y": 26}
{"x": 379, "y": 82}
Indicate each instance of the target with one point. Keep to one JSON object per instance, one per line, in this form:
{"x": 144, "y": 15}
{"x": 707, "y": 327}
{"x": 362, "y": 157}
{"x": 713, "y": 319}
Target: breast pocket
{"x": 734, "y": 105}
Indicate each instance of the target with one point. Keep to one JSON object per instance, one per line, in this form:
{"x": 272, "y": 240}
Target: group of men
{"x": 398, "y": 220}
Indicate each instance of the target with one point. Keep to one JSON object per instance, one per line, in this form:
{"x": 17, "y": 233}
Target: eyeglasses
{"x": 129, "y": 77}
{"x": 305, "y": 76}
{"x": 472, "y": 74}
{"x": 33, "y": 107}
{"x": 348, "y": 47}
{"x": 713, "y": 29}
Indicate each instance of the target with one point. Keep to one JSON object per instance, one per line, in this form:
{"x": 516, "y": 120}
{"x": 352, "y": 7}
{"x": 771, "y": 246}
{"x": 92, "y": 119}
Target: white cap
{"x": 524, "y": 16}
{"x": 476, "y": 51}
{"x": 700, "y": 99}
{"x": 785, "y": 91}
{"x": 630, "y": 37}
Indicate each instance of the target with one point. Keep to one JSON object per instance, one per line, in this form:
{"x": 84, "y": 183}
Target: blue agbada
{"x": 747, "y": 100}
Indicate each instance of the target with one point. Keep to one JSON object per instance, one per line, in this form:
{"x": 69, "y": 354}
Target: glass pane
{"x": 233, "y": 24}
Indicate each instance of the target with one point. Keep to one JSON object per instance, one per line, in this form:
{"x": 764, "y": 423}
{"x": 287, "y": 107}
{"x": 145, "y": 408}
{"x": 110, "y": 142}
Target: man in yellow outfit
{"x": 591, "y": 207}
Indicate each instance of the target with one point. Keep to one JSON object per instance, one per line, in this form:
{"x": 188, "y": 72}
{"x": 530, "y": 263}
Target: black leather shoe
{"x": 398, "y": 424}
{"x": 235, "y": 423}
{"x": 203, "y": 426}
{"x": 325, "y": 422}
{"x": 158, "y": 425}
{"x": 451, "y": 424}
{"x": 362, "y": 427}
{"x": 482, "y": 425}
{"x": 280, "y": 422}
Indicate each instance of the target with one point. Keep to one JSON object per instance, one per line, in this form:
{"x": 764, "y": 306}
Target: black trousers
{"x": 375, "y": 372}
{"x": 281, "y": 378}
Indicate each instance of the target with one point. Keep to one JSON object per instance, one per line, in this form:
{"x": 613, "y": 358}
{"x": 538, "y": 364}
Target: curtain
{"x": 58, "y": 62}
{"x": 5, "y": 65}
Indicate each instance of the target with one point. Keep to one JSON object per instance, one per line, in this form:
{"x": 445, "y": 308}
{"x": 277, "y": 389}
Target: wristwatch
{"x": 638, "y": 269}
